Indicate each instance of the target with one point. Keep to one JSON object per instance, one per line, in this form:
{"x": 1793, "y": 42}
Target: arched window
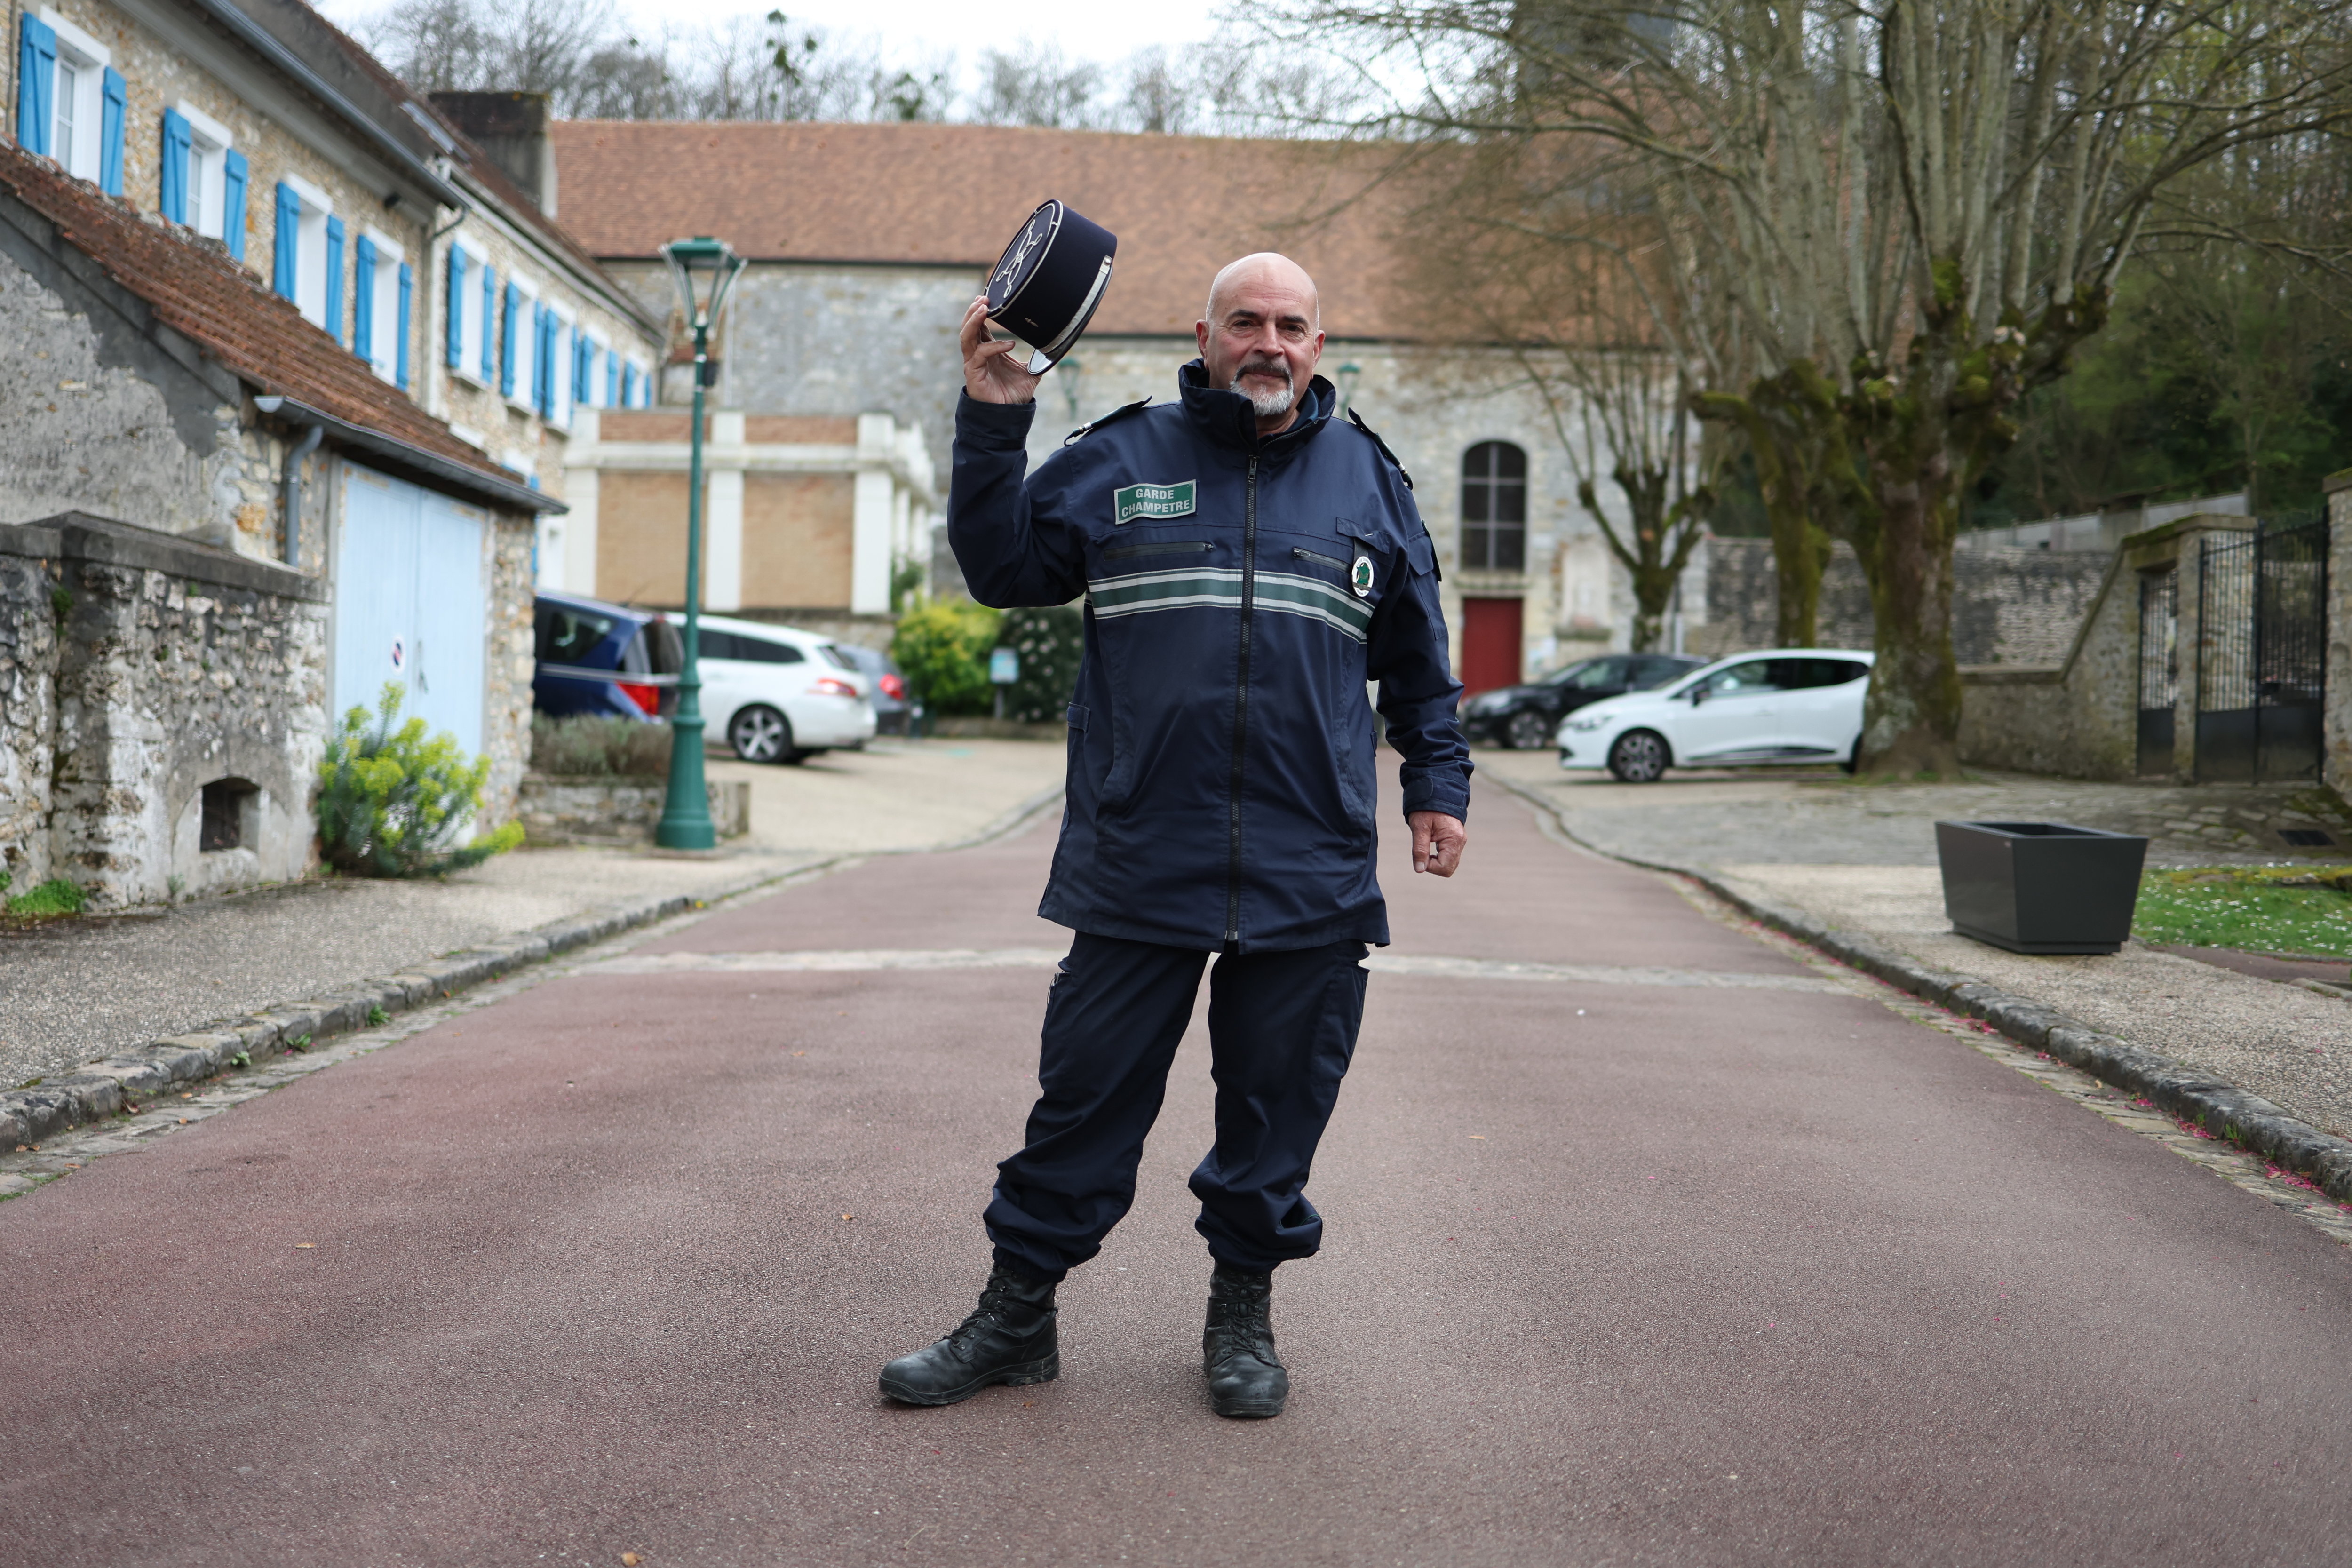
{"x": 1495, "y": 508}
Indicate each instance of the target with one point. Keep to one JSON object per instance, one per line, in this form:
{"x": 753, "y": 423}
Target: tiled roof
{"x": 954, "y": 195}
{"x": 194, "y": 288}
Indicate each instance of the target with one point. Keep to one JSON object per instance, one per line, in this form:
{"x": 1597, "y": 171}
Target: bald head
{"x": 1262, "y": 335}
{"x": 1261, "y": 272}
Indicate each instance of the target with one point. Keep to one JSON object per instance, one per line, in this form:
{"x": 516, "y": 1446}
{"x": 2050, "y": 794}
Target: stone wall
{"x": 170, "y": 665}
{"x": 107, "y": 411}
{"x": 2009, "y": 606}
{"x": 2077, "y": 717}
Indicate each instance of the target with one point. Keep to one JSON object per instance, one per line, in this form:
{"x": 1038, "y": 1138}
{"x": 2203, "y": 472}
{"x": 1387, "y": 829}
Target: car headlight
{"x": 1585, "y": 726}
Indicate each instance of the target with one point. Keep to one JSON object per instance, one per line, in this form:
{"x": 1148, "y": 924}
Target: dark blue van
{"x": 603, "y": 661}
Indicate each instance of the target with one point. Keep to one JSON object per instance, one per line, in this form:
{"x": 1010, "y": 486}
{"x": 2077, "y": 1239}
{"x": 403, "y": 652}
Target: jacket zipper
{"x": 1304, "y": 555}
{"x": 1241, "y": 712}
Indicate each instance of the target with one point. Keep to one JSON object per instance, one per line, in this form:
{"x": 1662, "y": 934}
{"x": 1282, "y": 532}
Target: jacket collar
{"x": 1225, "y": 417}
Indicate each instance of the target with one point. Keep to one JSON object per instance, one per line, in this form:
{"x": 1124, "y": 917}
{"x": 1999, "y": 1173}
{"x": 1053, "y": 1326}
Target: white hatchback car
{"x": 1781, "y": 706}
{"x": 779, "y": 694}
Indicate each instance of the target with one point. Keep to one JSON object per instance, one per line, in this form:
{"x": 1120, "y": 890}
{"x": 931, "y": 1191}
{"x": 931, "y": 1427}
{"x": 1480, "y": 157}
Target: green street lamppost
{"x": 705, "y": 269}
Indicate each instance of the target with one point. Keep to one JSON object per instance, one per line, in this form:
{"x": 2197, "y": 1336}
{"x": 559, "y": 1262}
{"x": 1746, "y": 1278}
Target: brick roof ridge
{"x": 199, "y": 291}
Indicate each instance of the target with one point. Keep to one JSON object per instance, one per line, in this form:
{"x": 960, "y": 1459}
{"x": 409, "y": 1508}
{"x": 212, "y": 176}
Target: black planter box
{"x": 2040, "y": 887}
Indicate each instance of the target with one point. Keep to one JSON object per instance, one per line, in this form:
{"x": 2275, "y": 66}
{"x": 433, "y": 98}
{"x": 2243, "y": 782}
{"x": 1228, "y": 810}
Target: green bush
{"x": 393, "y": 804}
{"x": 55, "y": 897}
{"x": 942, "y": 650}
{"x": 588, "y": 747}
{"x": 1050, "y": 643}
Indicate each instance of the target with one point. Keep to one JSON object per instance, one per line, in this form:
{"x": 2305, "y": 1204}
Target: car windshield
{"x": 1591, "y": 675}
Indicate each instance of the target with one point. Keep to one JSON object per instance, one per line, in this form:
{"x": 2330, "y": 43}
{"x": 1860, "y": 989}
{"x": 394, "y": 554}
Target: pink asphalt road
{"x": 1615, "y": 1273}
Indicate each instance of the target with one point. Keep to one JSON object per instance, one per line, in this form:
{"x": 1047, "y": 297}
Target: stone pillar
{"x": 722, "y": 545}
{"x": 869, "y": 569}
{"x": 2336, "y": 717}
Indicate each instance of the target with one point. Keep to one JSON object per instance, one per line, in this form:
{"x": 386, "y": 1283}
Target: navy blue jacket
{"x": 1240, "y": 592}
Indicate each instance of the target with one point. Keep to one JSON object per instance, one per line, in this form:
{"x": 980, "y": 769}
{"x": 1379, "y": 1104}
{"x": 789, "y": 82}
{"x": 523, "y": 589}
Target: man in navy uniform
{"x": 1248, "y": 565}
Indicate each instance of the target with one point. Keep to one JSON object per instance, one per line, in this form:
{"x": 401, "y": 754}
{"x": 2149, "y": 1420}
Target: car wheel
{"x": 1853, "y": 762}
{"x": 761, "y": 735}
{"x": 1528, "y": 731}
{"x": 1638, "y": 757}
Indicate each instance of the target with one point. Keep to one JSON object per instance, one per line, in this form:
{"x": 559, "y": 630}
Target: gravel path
{"x": 73, "y": 991}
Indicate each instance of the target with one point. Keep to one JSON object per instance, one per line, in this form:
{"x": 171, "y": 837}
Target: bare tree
{"x": 1035, "y": 85}
{"x": 1916, "y": 212}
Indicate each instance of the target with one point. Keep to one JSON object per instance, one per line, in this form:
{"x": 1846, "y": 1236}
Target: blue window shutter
{"x": 36, "y": 78}
{"x": 289, "y": 239}
{"x": 611, "y": 379}
{"x": 363, "y": 299}
{"x": 399, "y": 352}
{"x": 173, "y": 176}
{"x": 457, "y": 312}
{"x": 233, "y": 178}
{"x": 114, "y": 95}
{"x": 508, "y": 327}
{"x": 550, "y": 331}
{"x": 489, "y": 322}
{"x": 334, "y": 278}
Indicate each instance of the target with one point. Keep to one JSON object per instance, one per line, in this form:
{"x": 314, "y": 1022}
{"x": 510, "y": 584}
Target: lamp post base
{"x": 686, "y": 807}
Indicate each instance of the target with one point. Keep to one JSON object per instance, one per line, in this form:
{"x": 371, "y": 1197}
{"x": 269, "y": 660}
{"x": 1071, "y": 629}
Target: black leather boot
{"x": 1009, "y": 1338}
{"x": 1245, "y": 1378}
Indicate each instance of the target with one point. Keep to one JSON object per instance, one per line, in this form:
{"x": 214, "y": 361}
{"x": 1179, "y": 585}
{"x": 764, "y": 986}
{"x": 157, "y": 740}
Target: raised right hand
{"x": 991, "y": 373}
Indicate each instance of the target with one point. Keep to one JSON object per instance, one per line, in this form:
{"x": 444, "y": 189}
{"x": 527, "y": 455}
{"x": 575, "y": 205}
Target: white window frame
{"x": 526, "y": 344}
{"x": 83, "y": 109}
{"x": 470, "y": 312}
{"x": 567, "y": 322}
{"x": 209, "y": 145}
{"x": 602, "y": 346}
{"x": 310, "y": 249}
{"x": 383, "y": 341}
{"x": 644, "y": 384}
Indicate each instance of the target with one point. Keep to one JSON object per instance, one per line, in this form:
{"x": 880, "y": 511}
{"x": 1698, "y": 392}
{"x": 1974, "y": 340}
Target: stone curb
{"x": 100, "y": 1088}
{"x": 2220, "y": 1108}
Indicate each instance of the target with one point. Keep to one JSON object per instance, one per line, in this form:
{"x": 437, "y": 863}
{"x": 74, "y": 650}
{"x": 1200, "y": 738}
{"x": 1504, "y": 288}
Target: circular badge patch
{"x": 1359, "y": 576}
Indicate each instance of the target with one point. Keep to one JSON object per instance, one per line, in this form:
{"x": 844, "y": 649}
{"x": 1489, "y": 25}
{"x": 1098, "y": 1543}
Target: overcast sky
{"x": 909, "y": 30}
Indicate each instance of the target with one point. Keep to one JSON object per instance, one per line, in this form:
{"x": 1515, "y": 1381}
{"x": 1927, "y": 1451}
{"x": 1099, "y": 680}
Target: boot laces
{"x": 1248, "y": 1321}
{"x": 990, "y": 1313}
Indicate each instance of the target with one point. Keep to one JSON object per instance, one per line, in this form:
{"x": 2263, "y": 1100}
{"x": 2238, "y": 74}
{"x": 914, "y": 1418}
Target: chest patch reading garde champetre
{"x": 1130, "y": 501}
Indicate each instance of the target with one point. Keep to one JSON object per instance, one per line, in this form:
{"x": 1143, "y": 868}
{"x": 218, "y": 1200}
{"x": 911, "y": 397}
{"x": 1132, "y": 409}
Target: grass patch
{"x": 599, "y": 748}
{"x": 51, "y": 899}
{"x": 2256, "y": 909}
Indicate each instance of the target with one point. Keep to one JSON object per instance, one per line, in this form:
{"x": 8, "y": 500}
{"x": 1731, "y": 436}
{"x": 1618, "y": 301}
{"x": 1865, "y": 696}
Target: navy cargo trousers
{"x": 1282, "y": 1027}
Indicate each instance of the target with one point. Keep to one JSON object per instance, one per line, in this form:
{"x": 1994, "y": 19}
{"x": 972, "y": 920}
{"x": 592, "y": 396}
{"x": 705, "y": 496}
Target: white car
{"x": 779, "y": 694}
{"x": 1781, "y": 706}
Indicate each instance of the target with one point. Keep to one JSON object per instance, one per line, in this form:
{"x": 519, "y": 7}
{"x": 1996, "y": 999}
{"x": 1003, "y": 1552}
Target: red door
{"x": 1490, "y": 643}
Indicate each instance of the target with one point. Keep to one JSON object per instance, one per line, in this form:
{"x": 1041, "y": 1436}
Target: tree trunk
{"x": 1918, "y": 463}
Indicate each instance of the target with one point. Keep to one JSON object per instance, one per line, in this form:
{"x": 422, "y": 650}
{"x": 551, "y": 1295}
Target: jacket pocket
{"x": 1301, "y": 553}
{"x": 1166, "y": 547}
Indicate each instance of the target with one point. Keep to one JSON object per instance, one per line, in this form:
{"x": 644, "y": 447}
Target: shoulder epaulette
{"x": 1358, "y": 421}
{"x": 1118, "y": 413}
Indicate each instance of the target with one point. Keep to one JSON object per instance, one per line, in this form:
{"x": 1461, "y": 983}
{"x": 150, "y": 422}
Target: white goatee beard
{"x": 1266, "y": 405}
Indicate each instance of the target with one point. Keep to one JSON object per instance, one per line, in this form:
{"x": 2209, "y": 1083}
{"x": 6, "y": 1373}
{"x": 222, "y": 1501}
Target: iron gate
{"x": 2159, "y": 667}
{"x": 2262, "y": 612}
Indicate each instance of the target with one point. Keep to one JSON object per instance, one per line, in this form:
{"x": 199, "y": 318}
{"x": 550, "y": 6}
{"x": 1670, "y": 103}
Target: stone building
{"x": 867, "y": 242}
{"x": 240, "y": 494}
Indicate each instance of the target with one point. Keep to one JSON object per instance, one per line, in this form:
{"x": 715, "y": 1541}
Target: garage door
{"x": 412, "y": 598}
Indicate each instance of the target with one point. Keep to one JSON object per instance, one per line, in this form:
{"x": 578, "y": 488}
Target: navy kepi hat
{"x": 1048, "y": 282}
